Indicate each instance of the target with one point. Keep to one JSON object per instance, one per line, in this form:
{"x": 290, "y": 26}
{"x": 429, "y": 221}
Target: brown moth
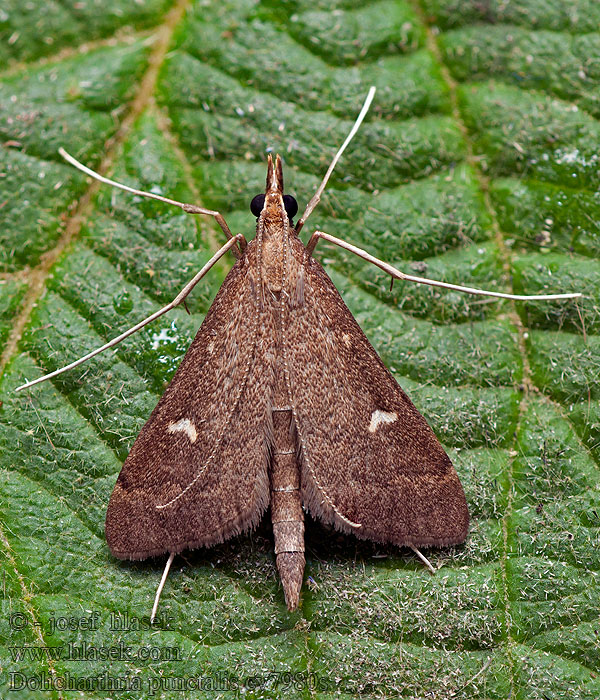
{"x": 281, "y": 402}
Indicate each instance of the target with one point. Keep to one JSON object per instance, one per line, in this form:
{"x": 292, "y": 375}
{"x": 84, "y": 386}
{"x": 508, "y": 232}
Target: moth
{"x": 281, "y": 404}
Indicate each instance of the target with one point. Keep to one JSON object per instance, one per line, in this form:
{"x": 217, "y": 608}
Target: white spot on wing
{"x": 186, "y": 426}
{"x": 378, "y": 417}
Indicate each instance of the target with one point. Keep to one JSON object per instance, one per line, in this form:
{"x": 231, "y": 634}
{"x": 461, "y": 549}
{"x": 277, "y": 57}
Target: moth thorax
{"x": 273, "y": 256}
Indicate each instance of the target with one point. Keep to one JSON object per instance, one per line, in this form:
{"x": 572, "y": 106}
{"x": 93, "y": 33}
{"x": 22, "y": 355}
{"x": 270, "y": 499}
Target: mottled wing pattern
{"x": 198, "y": 471}
{"x": 368, "y": 456}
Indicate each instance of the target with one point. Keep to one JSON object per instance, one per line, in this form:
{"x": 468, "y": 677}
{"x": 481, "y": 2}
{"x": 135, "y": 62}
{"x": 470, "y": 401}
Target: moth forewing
{"x": 370, "y": 464}
{"x": 198, "y": 471}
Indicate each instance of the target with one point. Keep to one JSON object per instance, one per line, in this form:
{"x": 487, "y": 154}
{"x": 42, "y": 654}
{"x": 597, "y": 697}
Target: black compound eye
{"x": 257, "y": 204}
{"x": 291, "y": 205}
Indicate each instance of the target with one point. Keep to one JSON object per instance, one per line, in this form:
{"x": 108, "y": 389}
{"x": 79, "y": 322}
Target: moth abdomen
{"x": 286, "y": 507}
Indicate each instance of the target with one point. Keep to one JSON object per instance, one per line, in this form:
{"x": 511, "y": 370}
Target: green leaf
{"x": 477, "y": 164}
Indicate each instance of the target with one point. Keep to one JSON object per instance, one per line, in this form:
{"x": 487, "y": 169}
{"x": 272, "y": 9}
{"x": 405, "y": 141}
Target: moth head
{"x": 273, "y": 202}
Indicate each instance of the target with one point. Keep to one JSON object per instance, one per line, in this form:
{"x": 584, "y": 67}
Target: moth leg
{"x": 423, "y": 558}
{"x": 189, "y": 208}
{"x": 178, "y": 299}
{"x": 161, "y": 586}
{"x": 395, "y": 273}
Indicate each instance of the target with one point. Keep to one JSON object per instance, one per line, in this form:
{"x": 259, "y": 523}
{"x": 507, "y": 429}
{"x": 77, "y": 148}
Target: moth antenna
{"x": 395, "y": 273}
{"x": 189, "y": 208}
{"x": 178, "y": 299}
{"x": 423, "y": 558}
{"x": 161, "y": 585}
{"x": 316, "y": 198}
